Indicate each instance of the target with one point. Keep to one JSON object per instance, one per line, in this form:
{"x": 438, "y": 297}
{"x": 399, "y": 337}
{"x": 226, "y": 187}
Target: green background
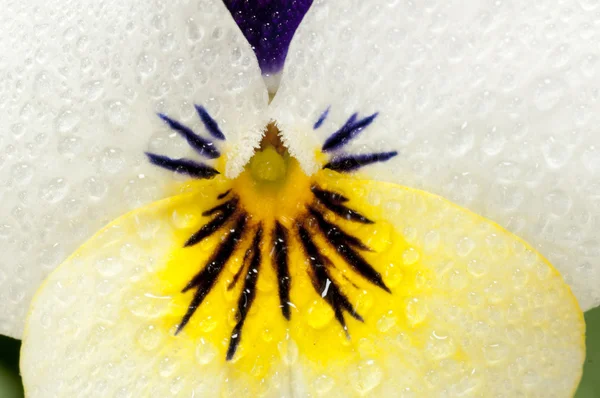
{"x": 10, "y": 383}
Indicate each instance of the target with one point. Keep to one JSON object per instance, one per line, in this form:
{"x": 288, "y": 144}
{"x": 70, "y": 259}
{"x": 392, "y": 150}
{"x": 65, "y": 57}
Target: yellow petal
{"x": 447, "y": 303}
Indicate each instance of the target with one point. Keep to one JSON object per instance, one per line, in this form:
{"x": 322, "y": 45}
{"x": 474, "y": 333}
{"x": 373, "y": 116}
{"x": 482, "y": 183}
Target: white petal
{"x": 494, "y": 105}
{"x": 81, "y": 84}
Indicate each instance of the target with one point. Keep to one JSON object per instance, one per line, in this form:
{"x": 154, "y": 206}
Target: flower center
{"x": 274, "y": 255}
{"x": 268, "y": 166}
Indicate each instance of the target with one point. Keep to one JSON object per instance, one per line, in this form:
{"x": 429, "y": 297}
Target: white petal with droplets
{"x": 80, "y": 86}
{"x": 494, "y": 105}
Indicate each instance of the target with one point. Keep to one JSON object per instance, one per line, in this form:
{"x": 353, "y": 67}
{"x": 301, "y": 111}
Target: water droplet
{"x": 589, "y": 5}
{"x": 431, "y": 241}
{"x": 166, "y": 41}
{"x": 440, "y": 346}
{"x": 167, "y": 367}
{"x": 55, "y": 190}
{"x": 559, "y": 202}
{"x": 319, "y": 314}
{"x": 548, "y": 93}
{"x": 93, "y": 90}
{"x": 560, "y": 55}
{"x": 67, "y": 120}
{"x": 416, "y": 311}
{"x": 146, "y": 65}
{"x": 193, "y": 31}
{"x": 591, "y": 159}
{"x": 410, "y": 256}
{"x": 288, "y": 351}
{"x": 386, "y": 322}
{"x": 109, "y": 266}
{"x": 112, "y": 161}
{"x": 465, "y": 246}
{"x": 95, "y": 187}
{"x": 366, "y": 376}
{"x": 150, "y": 337}
{"x": 42, "y": 84}
{"x": 495, "y": 353}
{"x": 589, "y": 65}
{"x": 22, "y": 173}
{"x": 495, "y": 292}
{"x": 393, "y": 275}
{"x": 117, "y": 112}
{"x": 477, "y": 268}
{"x": 323, "y": 384}
{"x": 205, "y": 352}
{"x": 70, "y": 146}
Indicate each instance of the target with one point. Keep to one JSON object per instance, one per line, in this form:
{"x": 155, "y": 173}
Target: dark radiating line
{"x": 203, "y": 146}
{"x": 221, "y": 207}
{"x": 211, "y": 124}
{"x": 280, "y": 260}
{"x": 345, "y": 164}
{"x": 328, "y": 195}
{"x": 349, "y": 239}
{"x": 325, "y": 198}
{"x": 225, "y": 213}
{"x": 323, "y": 283}
{"x": 221, "y": 196}
{"x": 222, "y": 253}
{"x": 182, "y": 166}
{"x": 247, "y": 295}
{"x": 338, "y": 239}
{"x": 205, "y": 279}
{"x": 321, "y": 119}
{"x": 236, "y": 277}
{"x": 347, "y": 132}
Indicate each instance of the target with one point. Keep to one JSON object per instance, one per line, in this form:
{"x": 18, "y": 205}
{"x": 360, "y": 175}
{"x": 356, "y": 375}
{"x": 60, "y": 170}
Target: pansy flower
{"x": 298, "y": 235}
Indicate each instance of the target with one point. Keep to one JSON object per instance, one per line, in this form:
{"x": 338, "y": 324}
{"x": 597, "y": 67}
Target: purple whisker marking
{"x": 322, "y": 118}
{"x": 349, "y": 163}
{"x": 347, "y": 132}
{"x": 182, "y": 166}
{"x": 211, "y": 124}
{"x": 269, "y": 26}
{"x": 203, "y": 146}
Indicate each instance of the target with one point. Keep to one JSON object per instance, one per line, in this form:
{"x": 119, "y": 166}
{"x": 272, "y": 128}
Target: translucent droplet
{"x": 67, "y": 121}
{"x": 431, "y": 241}
{"x": 319, "y": 314}
{"x": 410, "y": 256}
{"x": 366, "y": 376}
{"x": 167, "y": 367}
{"x": 465, "y": 246}
{"x": 205, "y": 352}
{"x": 416, "y": 311}
{"x": 146, "y": 64}
{"x": 112, "y": 160}
{"x": 386, "y": 322}
{"x": 93, "y": 90}
{"x": 22, "y": 173}
{"x": 150, "y": 337}
{"x": 288, "y": 351}
{"x": 117, "y": 113}
{"x": 70, "y": 146}
{"x": 495, "y": 353}
{"x": 477, "y": 267}
{"x": 193, "y": 31}
{"x": 95, "y": 187}
{"x": 323, "y": 384}
{"x": 548, "y": 93}
{"x": 109, "y": 266}
{"x": 55, "y": 190}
